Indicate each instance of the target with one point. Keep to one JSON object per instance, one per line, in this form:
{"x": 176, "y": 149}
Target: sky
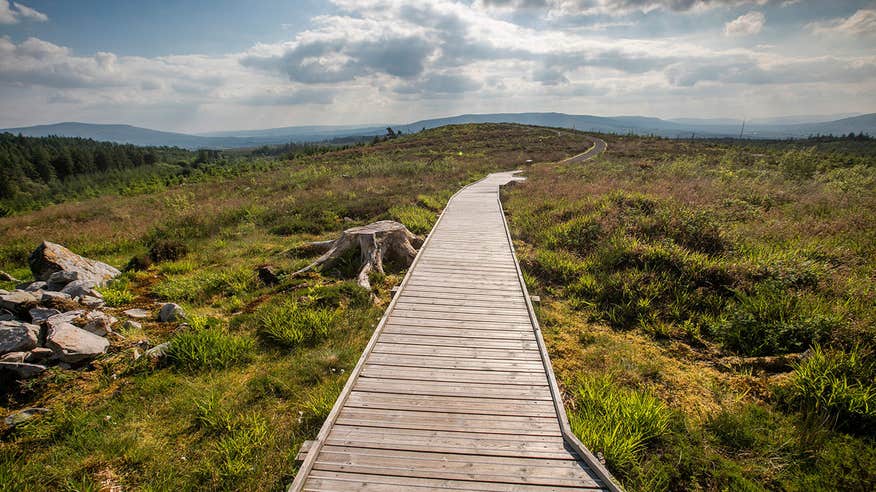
{"x": 212, "y": 65}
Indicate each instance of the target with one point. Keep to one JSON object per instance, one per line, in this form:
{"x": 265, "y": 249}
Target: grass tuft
{"x": 291, "y": 325}
{"x": 616, "y": 421}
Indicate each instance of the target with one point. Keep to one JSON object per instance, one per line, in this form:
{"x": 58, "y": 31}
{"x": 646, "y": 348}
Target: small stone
{"x": 40, "y": 315}
{"x": 81, "y": 288}
{"x": 6, "y": 316}
{"x": 159, "y": 351}
{"x": 92, "y": 302}
{"x": 52, "y": 296}
{"x": 74, "y": 345}
{"x": 39, "y": 354}
{"x": 14, "y": 357}
{"x": 137, "y": 313}
{"x": 23, "y": 416}
{"x": 171, "y": 312}
{"x": 76, "y": 317}
{"x": 99, "y": 323}
{"x": 131, "y": 325}
{"x": 22, "y": 370}
{"x": 16, "y": 336}
{"x": 35, "y": 286}
{"x": 19, "y": 301}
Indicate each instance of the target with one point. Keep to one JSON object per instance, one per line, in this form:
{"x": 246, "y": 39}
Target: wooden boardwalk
{"x": 454, "y": 390}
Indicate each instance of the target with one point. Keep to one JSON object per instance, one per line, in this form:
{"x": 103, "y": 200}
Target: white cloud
{"x": 395, "y": 60}
{"x": 745, "y": 25}
{"x": 13, "y": 13}
{"x": 861, "y": 23}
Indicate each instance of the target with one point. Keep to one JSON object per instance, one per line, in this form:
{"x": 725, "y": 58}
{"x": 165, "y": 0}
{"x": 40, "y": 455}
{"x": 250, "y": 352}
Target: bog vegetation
{"x": 709, "y": 307}
{"x": 259, "y": 365}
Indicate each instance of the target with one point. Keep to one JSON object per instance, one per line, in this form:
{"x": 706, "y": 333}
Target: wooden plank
{"x": 460, "y": 375}
{"x": 451, "y": 341}
{"x": 451, "y": 404}
{"x": 424, "y": 465}
{"x": 492, "y": 424}
{"x": 347, "y": 481}
{"x": 455, "y": 323}
{"x": 490, "y": 318}
{"x": 403, "y": 305}
{"x": 469, "y": 353}
{"x": 443, "y": 388}
{"x": 439, "y": 362}
{"x": 494, "y": 334}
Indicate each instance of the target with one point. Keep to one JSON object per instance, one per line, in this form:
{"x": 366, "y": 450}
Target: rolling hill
{"x": 778, "y": 128}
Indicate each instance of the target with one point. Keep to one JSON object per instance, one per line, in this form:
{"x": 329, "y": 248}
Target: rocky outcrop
{"x": 74, "y": 345}
{"x": 16, "y": 336}
{"x": 50, "y": 258}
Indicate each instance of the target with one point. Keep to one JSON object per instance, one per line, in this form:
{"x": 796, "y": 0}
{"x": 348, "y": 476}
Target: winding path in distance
{"x": 455, "y": 389}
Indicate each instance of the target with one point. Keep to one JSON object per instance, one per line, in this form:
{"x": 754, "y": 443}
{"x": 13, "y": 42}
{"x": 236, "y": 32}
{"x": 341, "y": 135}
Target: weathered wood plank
{"x": 452, "y": 404}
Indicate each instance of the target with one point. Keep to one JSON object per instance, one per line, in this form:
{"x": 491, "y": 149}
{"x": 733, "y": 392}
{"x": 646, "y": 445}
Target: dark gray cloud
{"x": 341, "y": 59}
{"x": 440, "y": 84}
{"x": 302, "y": 96}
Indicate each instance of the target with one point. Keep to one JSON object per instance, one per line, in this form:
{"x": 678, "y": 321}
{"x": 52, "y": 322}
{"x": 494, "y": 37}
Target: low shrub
{"x": 167, "y": 250}
{"x": 772, "y": 320}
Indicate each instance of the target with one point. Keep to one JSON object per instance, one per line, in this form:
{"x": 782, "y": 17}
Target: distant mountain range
{"x": 777, "y": 128}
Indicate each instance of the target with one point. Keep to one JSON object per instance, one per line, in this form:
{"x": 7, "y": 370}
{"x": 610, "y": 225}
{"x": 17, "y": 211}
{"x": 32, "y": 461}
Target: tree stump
{"x": 377, "y": 241}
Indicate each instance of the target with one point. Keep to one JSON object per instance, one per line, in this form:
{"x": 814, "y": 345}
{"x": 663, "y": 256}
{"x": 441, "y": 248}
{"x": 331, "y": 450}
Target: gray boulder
{"x": 18, "y": 337}
{"x": 59, "y": 280}
{"x": 22, "y": 370}
{"x": 39, "y": 315}
{"x": 18, "y": 301}
{"x": 74, "y": 345}
{"x": 36, "y": 286}
{"x": 23, "y": 416}
{"x": 171, "y": 312}
{"x": 49, "y": 258}
{"x": 81, "y": 288}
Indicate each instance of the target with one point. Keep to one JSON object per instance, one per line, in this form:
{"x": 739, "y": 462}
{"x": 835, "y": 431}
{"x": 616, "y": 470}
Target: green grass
{"x": 617, "y": 422}
{"x": 687, "y": 271}
{"x": 208, "y": 348}
{"x": 417, "y": 219}
{"x": 289, "y": 324}
{"x": 117, "y": 294}
{"x": 838, "y": 386}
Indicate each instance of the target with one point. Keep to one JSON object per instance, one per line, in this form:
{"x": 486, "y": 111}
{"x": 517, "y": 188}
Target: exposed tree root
{"x": 377, "y": 241}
